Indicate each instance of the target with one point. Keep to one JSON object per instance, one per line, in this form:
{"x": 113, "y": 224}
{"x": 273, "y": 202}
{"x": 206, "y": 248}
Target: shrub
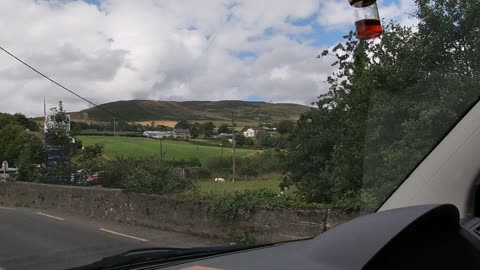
{"x": 182, "y": 163}
{"x": 216, "y": 164}
{"x": 268, "y": 161}
{"x": 92, "y": 151}
{"x": 230, "y": 207}
{"x": 144, "y": 175}
{"x": 198, "y": 173}
{"x": 157, "y": 180}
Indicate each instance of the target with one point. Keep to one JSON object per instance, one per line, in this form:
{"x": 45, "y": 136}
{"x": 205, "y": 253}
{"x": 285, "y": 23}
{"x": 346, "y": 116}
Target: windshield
{"x": 134, "y": 124}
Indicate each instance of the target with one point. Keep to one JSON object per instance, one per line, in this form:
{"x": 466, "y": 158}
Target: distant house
{"x": 157, "y": 134}
{"x": 181, "y": 133}
{"x": 269, "y": 129}
{"x": 252, "y": 132}
{"x": 223, "y": 136}
{"x": 177, "y": 133}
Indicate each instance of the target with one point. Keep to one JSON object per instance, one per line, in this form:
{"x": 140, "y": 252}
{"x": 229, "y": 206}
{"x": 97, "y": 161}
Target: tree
{"x": 183, "y": 124}
{"x": 25, "y": 122}
{"x": 240, "y": 140}
{"x": 19, "y": 119}
{"x": 208, "y": 129}
{"x": 264, "y": 139}
{"x": 195, "y": 130}
{"x": 31, "y": 155}
{"x": 224, "y": 129}
{"x": 285, "y": 127}
{"x": 60, "y": 146}
{"x": 8, "y": 136}
{"x": 21, "y": 149}
{"x": 388, "y": 104}
{"x": 57, "y": 132}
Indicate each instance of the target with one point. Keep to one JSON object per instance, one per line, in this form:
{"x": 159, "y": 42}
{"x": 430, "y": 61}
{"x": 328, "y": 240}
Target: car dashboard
{"x": 419, "y": 237}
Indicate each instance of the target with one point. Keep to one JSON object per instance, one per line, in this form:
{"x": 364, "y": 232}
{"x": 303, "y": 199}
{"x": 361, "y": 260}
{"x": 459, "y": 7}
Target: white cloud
{"x": 173, "y": 49}
{"x": 281, "y": 73}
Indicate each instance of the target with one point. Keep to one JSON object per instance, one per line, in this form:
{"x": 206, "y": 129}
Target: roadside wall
{"x": 168, "y": 213}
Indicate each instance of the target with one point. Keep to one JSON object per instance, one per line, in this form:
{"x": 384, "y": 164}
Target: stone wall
{"x": 169, "y": 213}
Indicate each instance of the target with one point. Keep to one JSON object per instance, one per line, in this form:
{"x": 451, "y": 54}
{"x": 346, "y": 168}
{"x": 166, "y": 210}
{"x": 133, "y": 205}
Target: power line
{"x": 55, "y": 82}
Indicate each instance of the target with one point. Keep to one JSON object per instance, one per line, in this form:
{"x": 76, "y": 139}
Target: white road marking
{"x": 6, "y": 208}
{"x": 50, "y": 216}
{"x": 124, "y": 235}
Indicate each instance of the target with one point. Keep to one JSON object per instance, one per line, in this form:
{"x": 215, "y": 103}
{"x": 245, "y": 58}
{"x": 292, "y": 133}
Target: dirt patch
{"x": 167, "y": 123}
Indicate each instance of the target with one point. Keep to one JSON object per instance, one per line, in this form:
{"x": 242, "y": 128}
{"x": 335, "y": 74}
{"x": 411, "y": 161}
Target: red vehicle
{"x": 93, "y": 179}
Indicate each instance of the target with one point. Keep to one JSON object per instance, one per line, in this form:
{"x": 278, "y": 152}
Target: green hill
{"x": 216, "y": 111}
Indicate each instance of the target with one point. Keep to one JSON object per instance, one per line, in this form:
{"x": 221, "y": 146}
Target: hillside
{"x": 216, "y": 111}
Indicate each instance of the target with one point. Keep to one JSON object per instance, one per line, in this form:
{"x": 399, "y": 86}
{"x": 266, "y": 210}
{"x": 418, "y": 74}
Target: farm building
{"x": 157, "y": 134}
{"x": 181, "y": 133}
{"x": 177, "y": 133}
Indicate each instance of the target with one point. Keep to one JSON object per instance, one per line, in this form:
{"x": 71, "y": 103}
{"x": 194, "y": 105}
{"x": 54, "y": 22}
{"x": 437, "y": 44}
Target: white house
{"x": 252, "y": 132}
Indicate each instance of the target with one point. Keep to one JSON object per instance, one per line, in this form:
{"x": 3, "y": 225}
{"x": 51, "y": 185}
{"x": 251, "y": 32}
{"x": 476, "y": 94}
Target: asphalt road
{"x": 36, "y": 239}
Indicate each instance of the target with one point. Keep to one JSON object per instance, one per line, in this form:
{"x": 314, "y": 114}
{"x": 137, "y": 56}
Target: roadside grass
{"x": 270, "y": 182}
{"x": 229, "y": 187}
{"x": 174, "y": 150}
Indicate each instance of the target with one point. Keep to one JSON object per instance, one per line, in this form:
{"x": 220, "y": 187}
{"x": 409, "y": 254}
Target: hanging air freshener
{"x": 367, "y": 19}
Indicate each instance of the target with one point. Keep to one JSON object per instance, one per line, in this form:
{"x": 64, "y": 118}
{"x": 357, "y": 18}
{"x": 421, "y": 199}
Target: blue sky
{"x": 95, "y": 2}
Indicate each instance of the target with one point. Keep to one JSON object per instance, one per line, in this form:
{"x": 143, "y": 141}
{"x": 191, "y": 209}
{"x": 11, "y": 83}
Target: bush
{"x": 268, "y": 161}
{"x": 144, "y": 175}
{"x": 217, "y": 164}
{"x": 182, "y": 163}
{"x": 229, "y": 207}
{"x": 198, "y": 173}
{"x": 158, "y": 180}
{"x": 92, "y": 151}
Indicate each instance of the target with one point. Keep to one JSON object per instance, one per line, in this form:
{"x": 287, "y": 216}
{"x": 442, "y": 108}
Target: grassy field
{"x": 129, "y": 146}
{"x": 227, "y": 187}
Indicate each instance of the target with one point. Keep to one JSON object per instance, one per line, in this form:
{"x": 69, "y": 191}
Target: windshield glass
{"x": 132, "y": 124}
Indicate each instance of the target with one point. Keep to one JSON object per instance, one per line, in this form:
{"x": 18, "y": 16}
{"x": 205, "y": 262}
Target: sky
{"x": 109, "y": 50}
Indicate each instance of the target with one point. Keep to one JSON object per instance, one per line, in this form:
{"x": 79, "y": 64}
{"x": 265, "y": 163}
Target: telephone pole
{"x": 161, "y": 150}
{"x": 233, "y": 149}
{"x": 114, "y": 126}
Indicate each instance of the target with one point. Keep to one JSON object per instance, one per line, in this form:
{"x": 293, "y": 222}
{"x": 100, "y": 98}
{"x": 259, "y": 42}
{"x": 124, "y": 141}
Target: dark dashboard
{"x": 419, "y": 237}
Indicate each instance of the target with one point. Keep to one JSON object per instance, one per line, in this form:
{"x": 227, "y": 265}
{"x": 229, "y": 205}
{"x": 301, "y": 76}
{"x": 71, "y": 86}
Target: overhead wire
{"x": 115, "y": 116}
{"x": 56, "y": 83}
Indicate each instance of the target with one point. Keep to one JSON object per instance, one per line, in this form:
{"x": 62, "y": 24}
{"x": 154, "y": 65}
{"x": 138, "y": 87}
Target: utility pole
{"x": 259, "y": 117}
{"x": 233, "y": 149}
{"x": 161, "y": 150}
{"x": 114, "y": 126}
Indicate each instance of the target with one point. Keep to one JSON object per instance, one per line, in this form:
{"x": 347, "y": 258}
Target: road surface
{"x": 38, "y": 239}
